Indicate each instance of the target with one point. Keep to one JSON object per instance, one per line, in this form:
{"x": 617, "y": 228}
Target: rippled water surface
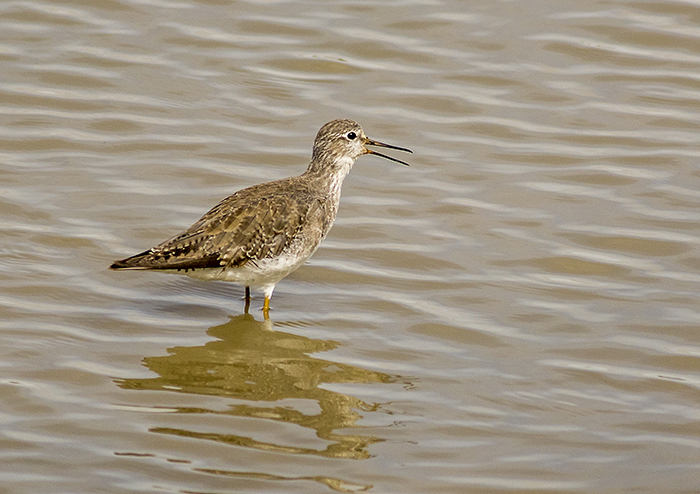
{"x": 518, "y": 311}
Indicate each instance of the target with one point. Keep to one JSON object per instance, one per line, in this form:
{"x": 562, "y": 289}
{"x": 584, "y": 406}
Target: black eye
{"x": 351, "y": 136}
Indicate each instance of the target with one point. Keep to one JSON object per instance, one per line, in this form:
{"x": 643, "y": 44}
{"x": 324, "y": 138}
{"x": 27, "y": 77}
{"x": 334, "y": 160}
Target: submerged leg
{"x": 247, "y": 299}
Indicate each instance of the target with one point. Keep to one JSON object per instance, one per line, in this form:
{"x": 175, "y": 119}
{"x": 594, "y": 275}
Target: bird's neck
{"x": 329, "y": 175}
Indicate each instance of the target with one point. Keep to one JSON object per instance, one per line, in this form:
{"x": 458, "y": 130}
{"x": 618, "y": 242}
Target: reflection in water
{"x": 250, "y": 362}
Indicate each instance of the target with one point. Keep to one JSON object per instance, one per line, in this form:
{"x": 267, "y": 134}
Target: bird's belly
{"x": 263, "y": 272}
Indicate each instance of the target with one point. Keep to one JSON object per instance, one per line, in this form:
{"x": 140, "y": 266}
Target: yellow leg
{"x": 266, "y": 308}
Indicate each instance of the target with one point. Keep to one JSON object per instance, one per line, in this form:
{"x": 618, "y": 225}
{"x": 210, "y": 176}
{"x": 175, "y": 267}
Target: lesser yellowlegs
{"x": 259, "y": 235}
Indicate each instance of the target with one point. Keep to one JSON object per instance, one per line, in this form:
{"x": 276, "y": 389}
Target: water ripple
{"x": 519, "y": 302}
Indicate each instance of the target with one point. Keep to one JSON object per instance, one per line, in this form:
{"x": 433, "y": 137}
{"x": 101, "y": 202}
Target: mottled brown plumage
{"x": 259, "y": 235}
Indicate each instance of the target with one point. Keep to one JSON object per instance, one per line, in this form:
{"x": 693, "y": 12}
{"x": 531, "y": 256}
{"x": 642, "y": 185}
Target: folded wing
{"x": 242, "y": 228}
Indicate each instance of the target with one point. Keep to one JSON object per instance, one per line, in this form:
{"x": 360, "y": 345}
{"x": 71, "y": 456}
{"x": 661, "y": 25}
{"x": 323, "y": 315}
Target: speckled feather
{"x": 253, "y": 224}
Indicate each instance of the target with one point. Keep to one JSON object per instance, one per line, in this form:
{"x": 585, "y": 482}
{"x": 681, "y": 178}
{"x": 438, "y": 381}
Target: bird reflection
{"x": 249, "y": 362}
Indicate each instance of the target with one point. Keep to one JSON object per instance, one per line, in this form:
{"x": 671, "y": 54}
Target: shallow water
{"x": 515, "y": 312}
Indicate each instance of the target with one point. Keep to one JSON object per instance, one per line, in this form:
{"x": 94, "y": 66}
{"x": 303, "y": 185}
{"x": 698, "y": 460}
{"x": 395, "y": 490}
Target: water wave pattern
{"x": 515, "y": 312}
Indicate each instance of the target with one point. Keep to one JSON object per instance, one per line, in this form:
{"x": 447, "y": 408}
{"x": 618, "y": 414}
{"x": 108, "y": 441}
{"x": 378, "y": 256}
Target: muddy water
{"x": 515, "y": 312}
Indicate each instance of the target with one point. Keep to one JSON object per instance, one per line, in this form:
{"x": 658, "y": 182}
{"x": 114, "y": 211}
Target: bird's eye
{"x": 351, "y": 136}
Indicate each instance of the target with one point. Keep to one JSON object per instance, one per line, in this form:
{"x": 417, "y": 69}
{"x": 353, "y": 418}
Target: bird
{"x": 260, "y": 234}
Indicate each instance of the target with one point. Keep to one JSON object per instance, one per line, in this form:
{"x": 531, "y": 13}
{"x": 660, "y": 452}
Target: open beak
{"x": 370, "y": 142}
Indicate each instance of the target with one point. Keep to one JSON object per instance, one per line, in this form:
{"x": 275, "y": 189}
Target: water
{"x": 515, "y": 312}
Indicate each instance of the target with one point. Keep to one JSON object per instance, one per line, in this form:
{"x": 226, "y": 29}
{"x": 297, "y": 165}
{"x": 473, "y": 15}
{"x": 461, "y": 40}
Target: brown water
{"x": 518, "y": 311}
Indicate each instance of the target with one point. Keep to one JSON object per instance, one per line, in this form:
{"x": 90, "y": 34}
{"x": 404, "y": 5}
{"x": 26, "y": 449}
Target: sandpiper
{"x": 259, "y": 235}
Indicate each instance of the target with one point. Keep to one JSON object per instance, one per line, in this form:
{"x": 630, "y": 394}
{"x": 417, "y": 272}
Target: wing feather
{"x": 247, "y": 226}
